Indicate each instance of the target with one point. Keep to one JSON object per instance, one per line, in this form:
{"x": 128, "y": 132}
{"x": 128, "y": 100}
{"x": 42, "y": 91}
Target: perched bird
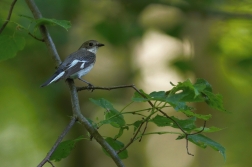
{"x": 77, "y": 64}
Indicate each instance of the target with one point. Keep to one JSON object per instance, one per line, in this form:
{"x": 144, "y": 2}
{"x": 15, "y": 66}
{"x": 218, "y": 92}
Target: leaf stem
{"x": 9, "y": 16}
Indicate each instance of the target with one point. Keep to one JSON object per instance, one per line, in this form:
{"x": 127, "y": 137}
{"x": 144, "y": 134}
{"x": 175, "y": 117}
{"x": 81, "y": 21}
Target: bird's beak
{"x": 100, "y": 45}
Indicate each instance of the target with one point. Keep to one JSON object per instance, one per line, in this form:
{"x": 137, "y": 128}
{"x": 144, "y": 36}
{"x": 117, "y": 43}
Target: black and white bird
{"x": 77, "y": 64}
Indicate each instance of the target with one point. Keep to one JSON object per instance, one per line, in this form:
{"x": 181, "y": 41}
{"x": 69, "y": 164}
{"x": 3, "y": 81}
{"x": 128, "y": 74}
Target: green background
{"x": 148, "y": 43}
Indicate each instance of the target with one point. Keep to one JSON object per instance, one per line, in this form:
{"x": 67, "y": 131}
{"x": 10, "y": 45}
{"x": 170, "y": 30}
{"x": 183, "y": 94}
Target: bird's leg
{"x": 90, "y": 86}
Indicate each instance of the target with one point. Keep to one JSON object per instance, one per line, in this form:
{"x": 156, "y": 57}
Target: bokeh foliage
{"x": 219, "y": 33}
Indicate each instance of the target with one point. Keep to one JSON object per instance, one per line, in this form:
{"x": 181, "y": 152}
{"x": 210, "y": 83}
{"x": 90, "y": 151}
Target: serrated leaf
{"x": 187, "y": 124}
{"x": 116, "y": 145}
{"x": 200, "y": 116}
{"x": 10, "y": 45}
{"x": 214, "y": 101}
{"x": 64, "y": 149}
{"x": 203, "y": 141}
{"x": 202, "y": 84}
{"x": 186, "y": 92}
{"x": 112, "y": 116}
{"x": 45, "y": 21}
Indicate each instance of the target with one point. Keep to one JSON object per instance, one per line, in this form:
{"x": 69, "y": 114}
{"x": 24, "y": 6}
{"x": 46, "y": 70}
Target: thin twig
{"x": 104, "y": 88}
{"x": 146, "y": 123}
{"x": 50, "y": 163}
{"x": 200, "y": 130}
{"x": 153, "y": 106}
{"x": 131, "y": 140}
{"x": 42, "y": 40}
{"x": 187, "y": 149}
{"x": 63, "y": 134}
{"x": 9, "y": 16}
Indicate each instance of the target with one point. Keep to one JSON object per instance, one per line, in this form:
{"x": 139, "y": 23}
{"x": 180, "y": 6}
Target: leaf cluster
{"x": 178, "y": 98}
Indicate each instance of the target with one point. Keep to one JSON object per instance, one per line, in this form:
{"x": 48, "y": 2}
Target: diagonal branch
{"x": 9, "y": 16}
{"x": 93, "y": 132}
{"x": 70, "y": 125}
{"x": 74, "y": 96}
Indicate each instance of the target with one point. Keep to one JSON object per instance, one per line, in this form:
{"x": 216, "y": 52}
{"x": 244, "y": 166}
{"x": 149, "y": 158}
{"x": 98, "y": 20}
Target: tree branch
{"x": 46, "y": 159}
{"x": 73, "y": 91}
{"x": 44, "y": 32}
{"x": 93, "y": 132}
{"x": 9, "y": 16}
{"x": 153, "y": 106}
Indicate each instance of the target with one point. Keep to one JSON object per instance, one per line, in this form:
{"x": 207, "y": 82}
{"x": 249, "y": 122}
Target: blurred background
{"x": 147, "y": 43}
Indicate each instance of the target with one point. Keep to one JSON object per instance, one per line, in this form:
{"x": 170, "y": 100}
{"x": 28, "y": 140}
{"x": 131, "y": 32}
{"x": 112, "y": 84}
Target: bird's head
{"x": 91, "y": 46}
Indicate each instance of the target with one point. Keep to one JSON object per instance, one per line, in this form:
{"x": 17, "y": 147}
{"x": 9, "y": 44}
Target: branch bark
{"x": 46, "y": 159}
{"x": 73, "y": 91}
{"x": 9, "y": 16}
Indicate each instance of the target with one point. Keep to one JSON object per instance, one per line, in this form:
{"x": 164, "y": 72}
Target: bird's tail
{"x": 56, "y": 77}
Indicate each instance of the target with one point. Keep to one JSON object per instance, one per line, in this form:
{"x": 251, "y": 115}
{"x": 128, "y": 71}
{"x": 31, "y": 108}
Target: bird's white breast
{"x": 82, "y": 72}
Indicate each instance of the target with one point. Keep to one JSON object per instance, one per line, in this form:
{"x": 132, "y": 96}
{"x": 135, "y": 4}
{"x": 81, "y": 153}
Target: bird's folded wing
{"x": 76, "y": 62}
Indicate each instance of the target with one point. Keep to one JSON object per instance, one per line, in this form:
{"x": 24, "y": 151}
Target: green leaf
{"x": 62, "y": 23}
{"x": 137, "y": 124}
{"x": 64, "y": 149}
{"x": 202, "y": 84}
{"x": 10, "y": 45}
{"x": 187, "y": 124}
{"x": 112, "y": 116}
{"x": 200, "y": 116}
{"x": 92, "y": 123}
{"x": 186, "y": 92}
{"x": 45, "y": 21}
{"x": 115, "y": 118}
{"x": 102, "y": 103}
{"x": 139, "y": 98}
{"x": 120, "y": 133}
{"x": 116, "y": 145}
{"x": 203, "y": 141}
{"x": 208, "y": 130}
{"x": 214, "y": 101}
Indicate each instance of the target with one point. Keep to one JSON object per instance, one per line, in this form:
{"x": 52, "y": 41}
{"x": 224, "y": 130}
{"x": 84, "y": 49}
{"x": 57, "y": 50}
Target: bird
{"x": 77, "y": 64}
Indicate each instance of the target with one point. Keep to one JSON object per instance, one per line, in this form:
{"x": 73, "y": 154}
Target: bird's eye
{"x": 90, "y": 44}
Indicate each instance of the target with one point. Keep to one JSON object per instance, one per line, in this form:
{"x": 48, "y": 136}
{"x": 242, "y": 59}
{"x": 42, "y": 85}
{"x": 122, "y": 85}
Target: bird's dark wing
{"x": 77, "y": 61}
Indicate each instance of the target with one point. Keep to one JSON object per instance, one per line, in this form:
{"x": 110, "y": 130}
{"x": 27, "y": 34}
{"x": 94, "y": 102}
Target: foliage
{"x": 177, "y": 98}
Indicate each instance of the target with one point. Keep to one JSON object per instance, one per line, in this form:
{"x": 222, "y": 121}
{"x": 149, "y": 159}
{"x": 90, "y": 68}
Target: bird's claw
{"x": 90, "y": 87}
